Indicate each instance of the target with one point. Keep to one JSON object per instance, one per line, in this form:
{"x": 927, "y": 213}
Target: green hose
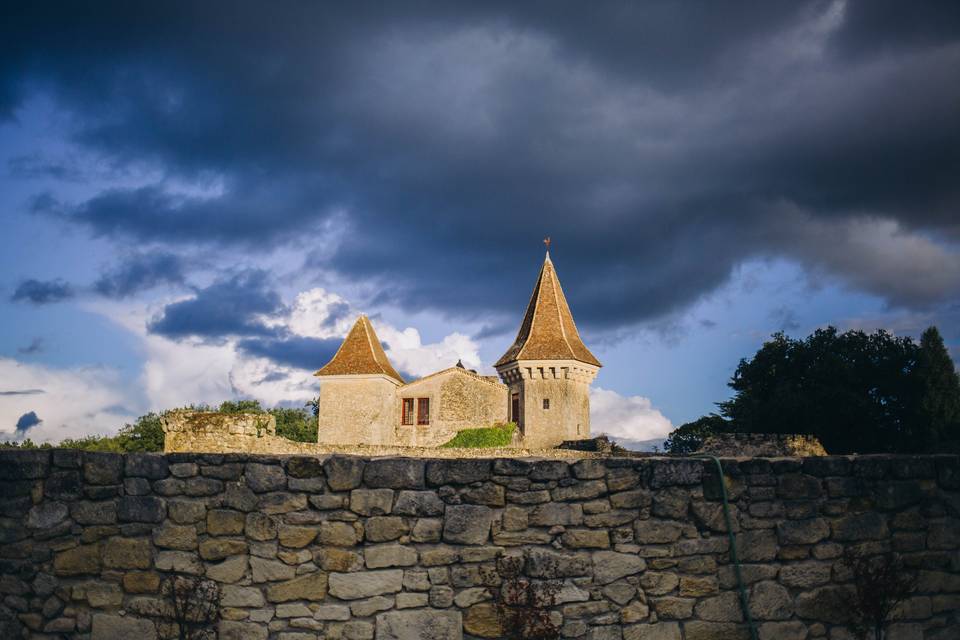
{"x": 744, "y": 601}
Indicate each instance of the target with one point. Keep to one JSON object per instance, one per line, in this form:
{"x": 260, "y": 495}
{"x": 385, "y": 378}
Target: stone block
{"x": 102, "y": 468}
{"x": 482, "y": 620}
{"x": 673, "y": 608}
{"x": 312, "y": 586}
{"x": 395, "y": 473}
{"x": 141, "y": 582}
{"x": 666, "y": 473}
{"x": 260, "y": 527}
{"x": 305, "y": 467}
{"x": 230, "y": 570}
{"x": 586, "y": 539}
{"x": 179, "y": 562}
{"x": 418, "y": 503}
{"x": 340, "y": 534}
{"x": 182, "y": 537}
{"x": 77, "y": 560}
{"x": 721, "y": 608}
{"x": 549, "y": 470}
{"x": 698, "y": 630}
{"x": 389, "y": 555}
{"x": 235, "y": 630}
{"x": 420, "y": 624}
{"x": 582, "y": 490}
{"x": 371, "y": 502}
{"x": 264, "y": 478}
{"x": 343, "y": 472}
{"x": 770, "y": 601}
{"x": 810, "y": 531}
{"x": 127, "y": 553}
{"x": 365, "y": 584}
{"x": 141, "y": 509}
{"x": 225, "y": 522}
{"x": 295, "y": 537}
{"x": 467, "y": 524}
{"x": 46, "y": 514}
{"x": 152, "y": 466}
{"x": 457, "y": 471}
{"x": 265, "y": 570}
{"x": 609, "y": 566}
{"x": 658, "y": 631}
{"x": 112, "y": 627}
{"x": 860, "y": 526}
{"x": 220, "y": 548}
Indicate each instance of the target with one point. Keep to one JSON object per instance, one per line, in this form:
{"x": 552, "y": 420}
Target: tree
{"x": 940, "y": 390}
{"x": 688, "y": 437}
{"x": 856, "y": 392}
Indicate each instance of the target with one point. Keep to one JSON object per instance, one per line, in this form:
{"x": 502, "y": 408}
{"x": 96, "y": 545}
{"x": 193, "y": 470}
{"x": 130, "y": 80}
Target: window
{"x": 407, "y": 410}
{"x": 515, "y": 410}
{"x": 423, "y": 410}
{"x": 546, "y": 403}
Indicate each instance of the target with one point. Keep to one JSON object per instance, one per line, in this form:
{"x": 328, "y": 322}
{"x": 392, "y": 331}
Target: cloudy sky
{"x": 198, "y": 198}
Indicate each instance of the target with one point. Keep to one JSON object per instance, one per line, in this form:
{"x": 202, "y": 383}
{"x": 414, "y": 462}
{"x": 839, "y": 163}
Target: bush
{"x": 499, "y": 435}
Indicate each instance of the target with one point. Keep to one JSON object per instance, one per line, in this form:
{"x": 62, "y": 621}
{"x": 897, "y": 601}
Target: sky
{"x": 198, "y": 199}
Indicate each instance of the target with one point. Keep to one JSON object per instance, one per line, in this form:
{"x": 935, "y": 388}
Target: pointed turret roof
{"x": 360, "y": 353}
{"x": 548, "y": 331}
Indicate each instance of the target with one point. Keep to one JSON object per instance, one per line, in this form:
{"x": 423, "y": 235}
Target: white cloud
{"x": 190, "y": 371}
{"x": 69, "y": 402}
{"x": 408, "y": 353}
{"x": 627, "y": 417}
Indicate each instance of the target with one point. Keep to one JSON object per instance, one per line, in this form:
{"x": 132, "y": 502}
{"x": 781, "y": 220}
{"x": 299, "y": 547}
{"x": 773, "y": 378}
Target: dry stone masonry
{"x": 356, "y": 548}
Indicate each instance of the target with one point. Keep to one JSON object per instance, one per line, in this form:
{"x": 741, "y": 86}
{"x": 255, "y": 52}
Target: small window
{"x": 407, "y": 417}
{"x": 546, "y": 403}
{"x": 423, "y": 410}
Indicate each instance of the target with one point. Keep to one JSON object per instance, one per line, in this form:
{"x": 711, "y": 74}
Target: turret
{"x": 548, "y": 369}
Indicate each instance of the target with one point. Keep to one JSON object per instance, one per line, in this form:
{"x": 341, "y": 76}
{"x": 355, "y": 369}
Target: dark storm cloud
{"x": 42, "y": 291}
{"x": 139, "y": 272}
{"x": 660, "y": 144}
{"x": 26, "y": 422}
{"x": 293, "y": 351}
{"x": 226, "y": 307}
{"x": 24, "y": 392}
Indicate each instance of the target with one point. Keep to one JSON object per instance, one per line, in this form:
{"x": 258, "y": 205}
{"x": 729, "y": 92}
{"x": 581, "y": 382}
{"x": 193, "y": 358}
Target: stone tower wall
{"x": 352, "y": 548}
{"x": 566, "y": 384}
{"x": 357, "y": 410}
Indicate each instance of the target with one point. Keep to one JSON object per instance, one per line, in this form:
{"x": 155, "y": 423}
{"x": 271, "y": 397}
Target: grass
{"x": 499, "y": 435}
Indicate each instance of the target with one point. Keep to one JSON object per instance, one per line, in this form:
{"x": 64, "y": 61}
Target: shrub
{"x": 499, "y": 435}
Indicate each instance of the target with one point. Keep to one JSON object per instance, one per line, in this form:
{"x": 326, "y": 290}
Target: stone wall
{"x": 405, "y": 549}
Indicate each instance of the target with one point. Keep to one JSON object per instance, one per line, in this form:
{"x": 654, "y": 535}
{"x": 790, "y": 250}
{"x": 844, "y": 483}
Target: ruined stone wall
{"x": 409, "y": 549}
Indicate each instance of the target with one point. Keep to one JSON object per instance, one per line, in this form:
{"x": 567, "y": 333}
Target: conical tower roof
{"x": 360, "y": 353}
{"x": 548, "y": 331}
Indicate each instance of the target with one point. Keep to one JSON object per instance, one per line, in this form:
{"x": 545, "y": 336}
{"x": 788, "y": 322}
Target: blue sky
{"x": 196, "y": 208}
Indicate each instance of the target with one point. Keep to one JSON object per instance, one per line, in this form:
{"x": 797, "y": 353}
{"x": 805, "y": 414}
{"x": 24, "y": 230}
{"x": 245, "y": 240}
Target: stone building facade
{"x": 544, "y": 385}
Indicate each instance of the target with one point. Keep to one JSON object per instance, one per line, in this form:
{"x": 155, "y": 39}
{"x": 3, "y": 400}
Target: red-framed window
{"x": 423, "y": 410}
{"x": 407, "y": 411}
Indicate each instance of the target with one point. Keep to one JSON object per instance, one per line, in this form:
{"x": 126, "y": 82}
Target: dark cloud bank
{"x": 660, "y": 144}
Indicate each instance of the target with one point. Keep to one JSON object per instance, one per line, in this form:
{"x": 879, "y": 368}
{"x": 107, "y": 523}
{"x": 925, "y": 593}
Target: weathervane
{"x": 546, "y": 241}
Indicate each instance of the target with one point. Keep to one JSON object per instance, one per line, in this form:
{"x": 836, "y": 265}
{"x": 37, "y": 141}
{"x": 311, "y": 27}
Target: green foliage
{"x": 687, "y": 438}
{"x": 295, "y": 424}
{"x": 499, "y": 435}
{"x": 939, "y": 401}
{"x": 856, "y": 392}
{"x": 240, "y": 406}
